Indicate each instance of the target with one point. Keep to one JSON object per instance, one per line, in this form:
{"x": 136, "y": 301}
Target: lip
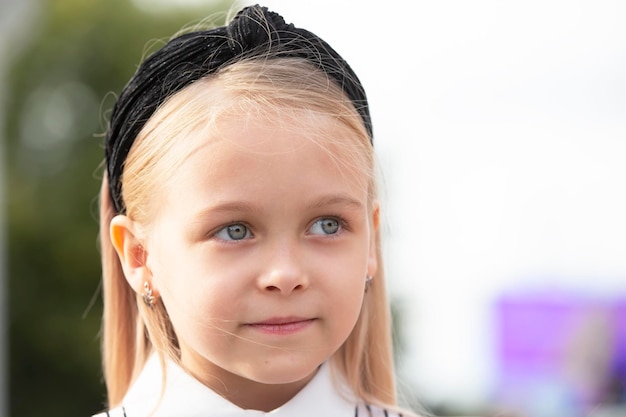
{"x": 282, "y": 325}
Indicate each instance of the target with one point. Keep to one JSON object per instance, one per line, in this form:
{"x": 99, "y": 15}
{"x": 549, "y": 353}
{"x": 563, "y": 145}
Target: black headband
{"x": 254, "y": 32}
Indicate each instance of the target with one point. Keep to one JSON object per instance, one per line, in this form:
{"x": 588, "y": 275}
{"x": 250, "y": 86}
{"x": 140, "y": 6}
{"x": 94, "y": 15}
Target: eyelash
{"x": 224, "y": 228}
{"x": 344, "y": 226}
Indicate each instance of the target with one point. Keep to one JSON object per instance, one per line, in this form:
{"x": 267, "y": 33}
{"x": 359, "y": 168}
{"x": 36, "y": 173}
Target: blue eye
{"x": 325, "y": 226}
{"x": 235, "y": 231}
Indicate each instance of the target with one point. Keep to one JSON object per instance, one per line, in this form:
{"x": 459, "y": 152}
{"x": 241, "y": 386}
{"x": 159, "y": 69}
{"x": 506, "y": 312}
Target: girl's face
{"x": 260, "y": 250}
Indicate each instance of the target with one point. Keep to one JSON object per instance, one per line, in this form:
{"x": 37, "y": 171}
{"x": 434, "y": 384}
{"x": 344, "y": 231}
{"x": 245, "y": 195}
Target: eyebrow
{"x": 249, "y": 208}
{"x": 228, "y": 207}
{"x": 335, "y": 199}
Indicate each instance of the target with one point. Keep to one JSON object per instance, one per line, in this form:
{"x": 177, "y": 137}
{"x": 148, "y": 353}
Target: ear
{"x": 372, "y": 260}
{"x": 131, "y": 251}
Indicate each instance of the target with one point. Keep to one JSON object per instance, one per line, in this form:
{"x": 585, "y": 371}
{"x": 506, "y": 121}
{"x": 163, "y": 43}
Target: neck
{"x": 245, "y": 393}
{"x": 251, "y": 395}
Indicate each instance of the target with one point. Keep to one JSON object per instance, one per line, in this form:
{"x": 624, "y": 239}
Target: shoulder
{"x": 368, "y": 410}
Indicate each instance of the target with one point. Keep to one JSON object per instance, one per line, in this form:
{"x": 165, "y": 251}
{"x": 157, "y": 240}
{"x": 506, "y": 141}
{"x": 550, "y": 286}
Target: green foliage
{"x": 58, "y": 95}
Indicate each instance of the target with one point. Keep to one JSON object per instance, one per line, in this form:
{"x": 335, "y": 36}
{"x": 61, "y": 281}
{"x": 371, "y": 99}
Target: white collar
{"x": 187, "y": 397}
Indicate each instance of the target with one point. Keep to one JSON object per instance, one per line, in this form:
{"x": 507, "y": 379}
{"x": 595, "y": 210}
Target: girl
{"x": 240, "y": 232}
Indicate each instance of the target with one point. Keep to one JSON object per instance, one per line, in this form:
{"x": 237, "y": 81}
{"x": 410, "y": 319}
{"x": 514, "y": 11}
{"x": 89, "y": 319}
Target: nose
{"x": 284, "y": 272}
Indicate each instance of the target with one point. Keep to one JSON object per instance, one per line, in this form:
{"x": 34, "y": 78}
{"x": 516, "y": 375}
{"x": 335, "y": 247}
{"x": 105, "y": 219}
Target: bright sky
{"x": 501, "y": 131}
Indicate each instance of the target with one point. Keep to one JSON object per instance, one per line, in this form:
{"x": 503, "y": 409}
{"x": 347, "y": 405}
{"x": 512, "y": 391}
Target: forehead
{"x": 219, "y": 113}
{"x": 212, "y": 132}
{"x": 278, "y": 134}
{"x": 277, "y": 151}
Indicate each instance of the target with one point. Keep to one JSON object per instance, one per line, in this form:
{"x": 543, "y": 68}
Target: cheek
{"x": 345, "y": 286}
{"x": 347, "y": 271}
{"x": 195, "y": 292}
{"x": 202, "y": 315}
{"x": 206, "y": 297}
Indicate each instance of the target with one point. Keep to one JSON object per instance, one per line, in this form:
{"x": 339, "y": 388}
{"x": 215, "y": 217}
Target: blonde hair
{"x": 132, "y": 331}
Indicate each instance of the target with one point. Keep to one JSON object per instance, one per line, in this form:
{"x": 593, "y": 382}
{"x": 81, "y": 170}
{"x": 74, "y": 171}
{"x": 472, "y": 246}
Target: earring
{"x": 147, "y": 296}
{"x": 368, "y": 282}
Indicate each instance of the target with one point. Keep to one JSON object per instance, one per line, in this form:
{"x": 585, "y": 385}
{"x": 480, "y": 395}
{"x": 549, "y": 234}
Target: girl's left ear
{"x": 372, "y": 260}
{"x": 132, "y": 254}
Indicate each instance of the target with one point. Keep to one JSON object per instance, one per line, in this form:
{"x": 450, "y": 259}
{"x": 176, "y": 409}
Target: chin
{"x": 277, "y": 374}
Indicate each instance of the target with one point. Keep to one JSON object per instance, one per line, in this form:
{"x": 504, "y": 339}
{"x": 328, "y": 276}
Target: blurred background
{"x": 501, "y": 133}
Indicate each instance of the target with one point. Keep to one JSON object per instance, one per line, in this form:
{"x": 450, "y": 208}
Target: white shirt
{"x": 186, "y": 397}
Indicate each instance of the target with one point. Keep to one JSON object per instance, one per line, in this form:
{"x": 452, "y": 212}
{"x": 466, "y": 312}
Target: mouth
{"x": 282, "y": 325}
